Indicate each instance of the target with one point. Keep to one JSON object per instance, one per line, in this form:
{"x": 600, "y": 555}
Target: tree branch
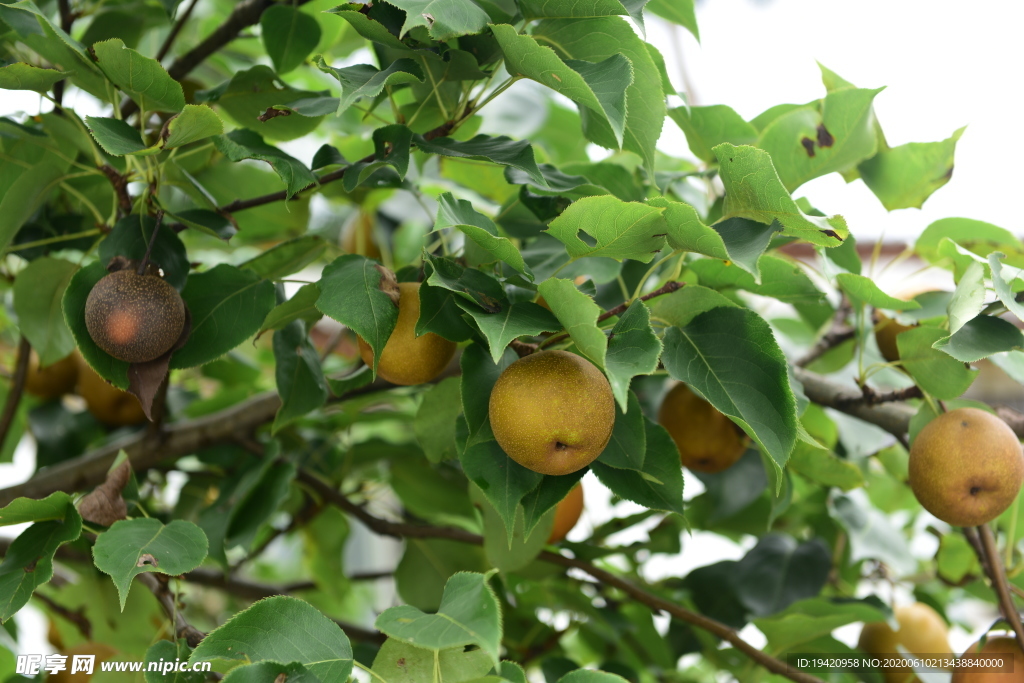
{"x": 837, "y": 334}
{"x": 638, "y": 593}
{"x": 175, "y": 30}
{"x": 157, "y": 583}
{"x": 997, "y": 575}
{"x": 76, "y": 617}
{"x": 16, "y": 390}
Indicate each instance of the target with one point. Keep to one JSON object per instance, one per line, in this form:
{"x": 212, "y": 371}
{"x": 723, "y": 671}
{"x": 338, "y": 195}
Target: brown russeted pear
{"x": 552, "y": 412}
{"x": 994, "y": 646}
{"x": 134, "y": 318}
{"x": 966, "y": 467}
{"x": 921, "y": 632}
{"x": 707, "y": 440}
{"x": 567, "y": 513}
{"x": 408, "y": 359}
{"x": 54, "y": 380}
{"x": 885, "y": 336}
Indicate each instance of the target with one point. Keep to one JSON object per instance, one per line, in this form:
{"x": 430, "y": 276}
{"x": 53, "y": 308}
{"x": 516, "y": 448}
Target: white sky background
{"x": 945, "y": 64}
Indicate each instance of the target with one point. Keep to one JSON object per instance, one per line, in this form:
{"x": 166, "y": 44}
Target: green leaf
{"x": 981, "y": 337}
{"x": 469, "y": 615}
{"x": 287, "y": 258}
{"x": 502, "y": 150}
{"x": 511, "y": 322}
{"x": 619, "y": 229}
{"x": 934, "y": 371}
{"x": 22, "y": 197}
{"x": 601, "y": 88}
{"x": 633, "y": 349}
{"x": 398, "y": 662}
{"x": 351, "y": 293}
{"x": 589, "y": 675}
{"x": 244, "y": 144}
{"x": 255, "y": 503}
{"x": 685, "y": 230}
{"x": 659, "y": 485}
{"x": 436, "y": 419}
{"x": 753, "y": 190}
{"x": 459, "y": 213}
{"x": 955, "y": 559}
{"x": 681, "y": 12}
{"x": 440, "y": 312}
{"x": 130, "y": 238}
{"x": 504, "y": 481}
{"x": 968, "y": 298}
{"x": 130, "y": 547}
{"x": 824, "y": 467}
{"x": 781, "y": 279}
{"x": 806, "y": 620}
{"x": 391, "y": 146}
{"x": 300, "y": 634}
{"x": 600, "y": 39}
{"x": 24, "y": 510}
{"x": 113, "y": 370}
{"x": 302, "y": 306}
{"x": 22, "y": 76}
{"x": 682, "y": 306}
{"x": 730, "y": 358}
{"x": 834, "y": 134}
{"x": 872, "y": 534}
{"x": 865, "y": 290}
{"x": 367, "y": 27}
{"x": 1002, "y": 287}
{"x": 627, "y": 449}
{"x": 570, "y": 9}
{"x": 578, "y": 314}
{"x": 366, "y": 80}
{"x": 288, "y": 36}
{"x": 707, "y": 127}
{"x": 905, "y": 177}
{"x": 38, "y": 292}
{"x": 141, "y": 78}
{"x": 28, "y": 562}
{"x": 479, "y": 373}
{"x": 445, "y": 19}
{"x": 228, "y": 306}
{"x": 251, "y": 92}
{"x": 300, "y": 379}
{"x": 469, "y": 283}
{"x": 265, "y": 672}
{"x": 548, "y": 494}
{"x": 195, "y": 122}
{"x": 426, "y": 566}
{"x": 515, "y": 554}
{"x": 779, "y": 571}
{"x": 164, "y": 652}
{"x": 978, "y": 237}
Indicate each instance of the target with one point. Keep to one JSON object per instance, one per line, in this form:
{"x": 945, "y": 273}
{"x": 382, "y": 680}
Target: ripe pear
{"x": 408, "y": 359}
{"x": 994, "y": 646}
{"x": 567, "y": 513}
{"x": 885, "y": 337}
{"x": 357, "y": 235}
{"x": 552, "y": 412}
{"x": 707, "y": 440}
{"x": 54, "y": 380}
{"x": 966, "y": 467}
{"x": 921, "y": 632}
{"x": 134, "y": 318}
{"x": 107, "y": 403}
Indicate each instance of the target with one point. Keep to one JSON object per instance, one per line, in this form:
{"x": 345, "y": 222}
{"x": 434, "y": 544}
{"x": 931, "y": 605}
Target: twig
{"x": 77, "y": 617}
{"x": 175, "y": 30}
{"x": 870, "y": 397}
{"x": 66, "y": 19}
{"x": 667, "y": 288}
{"x": 152, "y": 241}
{"x": 16, "y": 390}
{"x": 838, "y": 333}
{"x": 997, "y": 575}
{"x": 638, "y": 593}
{"x": 157, "y": 583}
{"x": 120, "y": 183}
{"x": 892, "y": 417}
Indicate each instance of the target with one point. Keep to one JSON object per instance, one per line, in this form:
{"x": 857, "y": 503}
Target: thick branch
{"x": 157, "y": 583}
{"x": 997, "y": 575}
{"x": 16, "y": 390}
{"x": 401, "y": 530}
{"x": 892, "y": 417}
{"x": 175, "y": 30}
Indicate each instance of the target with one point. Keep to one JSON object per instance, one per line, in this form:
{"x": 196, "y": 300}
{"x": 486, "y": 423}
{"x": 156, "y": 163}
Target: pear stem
{"x": 997, "y": 574}
{"x": 152, "y": 241}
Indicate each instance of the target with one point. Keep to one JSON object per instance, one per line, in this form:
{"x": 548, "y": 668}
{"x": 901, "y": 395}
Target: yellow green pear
{"x": 552, "y": 412}
{"x": 406, "y": 358}
{"x": 966, "y": 467}
{"x": 885, "y": 336}
{"x": 921, "y": 632}
{"x": 567, "y": 514}
{"x": 107, "y": 403}
{"x": 994, "y": 646}
{"x": 51, "y": 381}
{"x": 707, "y": 440}
{"x": 357, "y": 235}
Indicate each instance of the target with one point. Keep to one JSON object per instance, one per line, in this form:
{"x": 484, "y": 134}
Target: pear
{"x": 966, "y": 467}
{"x": 567, "y": 513}
{"x": 357, "y": 235}
{"x": 54, "y": 380}
{"x": 552, "y": 412}
{"x": 993, "y": 647}
{"x": 921, "y": 632}
{"x": 885, "y": 336}
{"x": 408, "y": 359}
{"x": 134, "y": 318}
{"x": 707, "y": 440}
{"x": 107, "y": 403}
